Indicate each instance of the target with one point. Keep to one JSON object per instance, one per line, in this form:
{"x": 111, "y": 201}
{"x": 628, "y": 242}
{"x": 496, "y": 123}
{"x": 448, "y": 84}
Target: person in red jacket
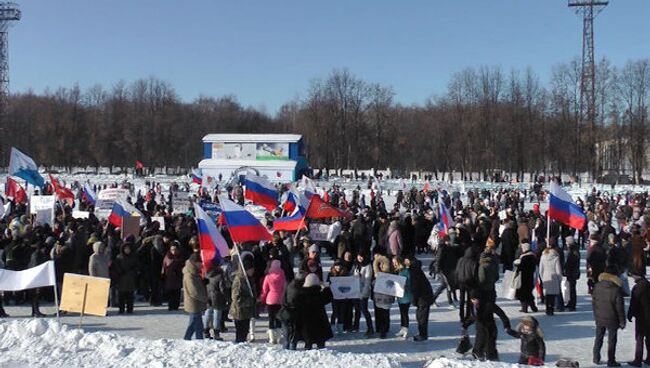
{"x": 272, "y": 292}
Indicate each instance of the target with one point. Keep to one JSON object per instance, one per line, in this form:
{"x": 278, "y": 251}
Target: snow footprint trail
{"x": 45, "y": 343}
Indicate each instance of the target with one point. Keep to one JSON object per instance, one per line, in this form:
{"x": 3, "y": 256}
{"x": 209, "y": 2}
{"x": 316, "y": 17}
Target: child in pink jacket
{"x": 272, "y": 292}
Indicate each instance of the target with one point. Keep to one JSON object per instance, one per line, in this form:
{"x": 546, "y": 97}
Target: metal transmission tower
{"x": 9, "y": 13}
{"x": 589, "y": 9}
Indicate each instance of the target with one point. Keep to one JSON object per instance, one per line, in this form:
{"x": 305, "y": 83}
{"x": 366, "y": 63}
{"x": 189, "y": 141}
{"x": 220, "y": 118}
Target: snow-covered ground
{"x": 568, "y": 335}
{"x": 45, "y": 343}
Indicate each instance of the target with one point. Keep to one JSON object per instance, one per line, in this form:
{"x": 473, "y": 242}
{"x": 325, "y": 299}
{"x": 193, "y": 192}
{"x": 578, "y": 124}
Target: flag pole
{"x": 241, "y": 263}
{"x": 56, "y": 292}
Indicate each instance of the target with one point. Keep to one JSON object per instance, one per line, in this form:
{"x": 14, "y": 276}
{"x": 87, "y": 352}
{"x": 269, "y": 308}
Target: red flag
{"x": 320, "y": 209}
{"x": 15, "y": 191}
{"x": 62, "y": 192}
{"x": 326, "y": 197}
{"x": 139, "y": 165}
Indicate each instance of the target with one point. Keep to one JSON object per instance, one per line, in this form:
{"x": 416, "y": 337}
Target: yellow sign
{"x": 85, "y": 294}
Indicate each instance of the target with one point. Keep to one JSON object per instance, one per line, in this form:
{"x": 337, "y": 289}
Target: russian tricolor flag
{"x": 242, "y": 225}
{"x": 296, "y": 220}
{"x": 260, "y": 191}
{"x": 89, "y": 194}
{"x": 289, "y": 201}
{"x": 213, "y": 245}
{"x": 118, "y": 213}
{"x": 562, "y": 208}
{"x": 197, "y": 176}
{"x": 446, "y": 222}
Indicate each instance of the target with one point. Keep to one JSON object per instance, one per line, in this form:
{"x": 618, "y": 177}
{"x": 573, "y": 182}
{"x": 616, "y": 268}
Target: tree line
{"x": 487, "y": 120}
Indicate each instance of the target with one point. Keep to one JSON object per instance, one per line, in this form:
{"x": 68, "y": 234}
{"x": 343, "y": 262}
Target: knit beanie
{"x": 311, "y": 280}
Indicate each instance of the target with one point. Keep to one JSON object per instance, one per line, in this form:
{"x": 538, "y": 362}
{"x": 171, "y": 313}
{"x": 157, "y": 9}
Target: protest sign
{"x": 85, "y": 294}
{"x": 389, "y": 284}
{"x": 345, "y": 287}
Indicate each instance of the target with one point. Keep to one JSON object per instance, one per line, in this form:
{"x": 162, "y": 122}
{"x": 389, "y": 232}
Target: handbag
{"x": 516, "y": 281}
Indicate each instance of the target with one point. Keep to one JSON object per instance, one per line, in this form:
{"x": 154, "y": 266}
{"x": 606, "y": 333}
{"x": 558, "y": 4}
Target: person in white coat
{"x": 550, "y": 272}
{"x": 363, "y": 270}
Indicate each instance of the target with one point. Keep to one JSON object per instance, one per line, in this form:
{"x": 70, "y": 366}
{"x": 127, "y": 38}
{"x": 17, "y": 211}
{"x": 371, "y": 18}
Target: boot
{"x": 3, "y": 314}
{"x": 370, "y": 332}
{"x": 251, "y": 333}
{"x": 206, "y": 334}
{"x": 524, "y": 308}
{"x": 216, "y": 336}
{"x": 533, "y": 307}
{"x": 403, "y": 332}
{"x": 36, "y": 312}
{"x": 278, "y": 336}
{"x": 271, "y": 334}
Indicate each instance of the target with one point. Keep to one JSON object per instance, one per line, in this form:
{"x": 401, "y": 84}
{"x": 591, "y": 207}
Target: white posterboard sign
{"x": 113, "y": 194}
{"x": 80, "y": 214}
{"x": 181, "y": 201}
{"x": 161, "y": 221}
{"x": 389, "y": 284}
{"x": 345, "y": 287}
{"x": 45, "y": 216}
{"x": 40, "y": 203}
{"x": 318, "y": 232}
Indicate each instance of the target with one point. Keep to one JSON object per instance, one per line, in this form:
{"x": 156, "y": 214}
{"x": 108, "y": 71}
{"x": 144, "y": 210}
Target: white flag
{"x": 39, "y": 276}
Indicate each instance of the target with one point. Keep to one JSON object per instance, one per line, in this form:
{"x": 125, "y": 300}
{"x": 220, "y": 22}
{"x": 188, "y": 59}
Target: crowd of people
{"x": 492, "y": 233}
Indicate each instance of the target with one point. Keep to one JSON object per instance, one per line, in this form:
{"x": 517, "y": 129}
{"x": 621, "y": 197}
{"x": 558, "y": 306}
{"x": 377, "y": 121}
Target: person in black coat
{"x": 640, "y": 311}
{"x": 509, "y": 241}
{"x": 483, "y": 310}
{"x": 609, "y": 314}
{"x": 572, "y": 272}
{"x": 38, "y": 257}
{"x": 466, "y": 279}
{"x": 422, "y": 298}
{"x": 596, "y": 261}
{"x": 446, "y": 261}
{"x": 526, "y": 265}
{"x": 288, "y": 314}
{"x": 311, "y": 318}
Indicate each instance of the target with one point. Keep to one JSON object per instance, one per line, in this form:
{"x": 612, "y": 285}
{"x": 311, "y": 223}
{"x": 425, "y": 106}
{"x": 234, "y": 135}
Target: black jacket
{"x": 572, "y": 265}
{"x": 467, "y": 270}
{"x": 640, "y": 305}
{"x": 607, "y": 302}
{"x": 532, "y": 345}
{"x": 311, "y": 319}
{"x": 421, "y": 290}
{"x": 217, "y": 288}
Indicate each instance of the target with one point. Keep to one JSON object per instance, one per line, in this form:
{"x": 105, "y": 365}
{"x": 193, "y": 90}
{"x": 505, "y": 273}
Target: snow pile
{"x": 45, "y": 343}
{"x": 454, "y": 363}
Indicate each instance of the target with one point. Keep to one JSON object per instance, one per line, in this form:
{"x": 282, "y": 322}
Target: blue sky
{"x": 266, "y": 52}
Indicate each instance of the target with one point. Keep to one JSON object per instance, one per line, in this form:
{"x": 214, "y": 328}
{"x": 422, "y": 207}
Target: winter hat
{"x": 313, "y": 248}
{"x": 275, "y": 265}
{"x": 611, "y": 238}
{"x": 525, "y": 247}
{"x": 311, "y": 280}
{"x": 247, "y": 262}
{"x": 569, "y": 240}
{"x": 50, "y": 241}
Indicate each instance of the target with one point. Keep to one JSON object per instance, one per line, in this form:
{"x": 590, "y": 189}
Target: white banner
{"x": 80, "y": 214}
{"x": 40, "y": 203}
{"x": 39, "y": 276}
{"x": 318, "y": 232}
{"x": 345, "y": 287}
{"x": 389, "y": 284}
